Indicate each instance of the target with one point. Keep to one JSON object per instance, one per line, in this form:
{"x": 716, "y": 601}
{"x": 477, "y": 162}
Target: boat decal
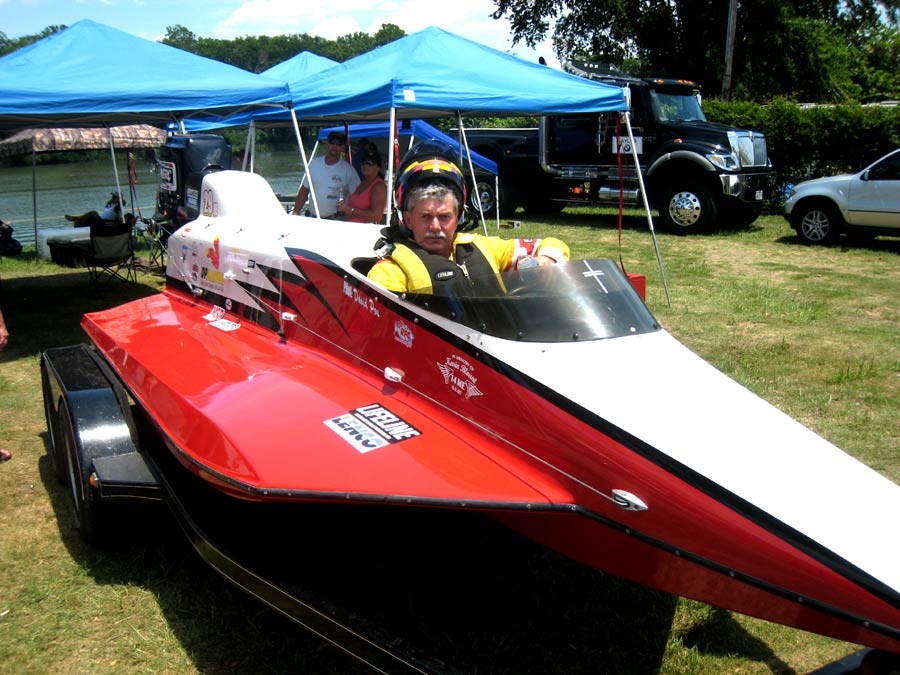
{"x": 459, "y": 375}
{"x": 403, "y": 334}
{"x": 215, "y": 313}
{"x": 274, "y": 301}
{"x": 365, "y": 301}
{"x": 225, "y": 325}
{"x": 213, "y": 252}
{"x": 371, "y": 427}
{"x": 305, "y": 283}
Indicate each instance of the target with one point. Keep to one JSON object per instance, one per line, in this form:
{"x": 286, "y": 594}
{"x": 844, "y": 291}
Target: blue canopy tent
{"x": 413, "y": 129}
{"x": 485, "y": 193}
{"x": 293, "y": 71}
{"x": 434, "y": 73}
{"x": 92, "y": 75}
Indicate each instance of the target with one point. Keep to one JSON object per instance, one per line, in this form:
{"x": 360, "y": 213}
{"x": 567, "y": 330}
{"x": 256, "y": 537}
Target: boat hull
{"x": 288, "y": 376}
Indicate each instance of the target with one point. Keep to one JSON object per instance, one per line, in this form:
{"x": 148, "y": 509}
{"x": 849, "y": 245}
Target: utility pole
{"x": 729, "y": 49}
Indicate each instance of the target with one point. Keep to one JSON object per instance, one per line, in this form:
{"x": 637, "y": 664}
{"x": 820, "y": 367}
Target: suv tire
{"x": 816, "y": 222}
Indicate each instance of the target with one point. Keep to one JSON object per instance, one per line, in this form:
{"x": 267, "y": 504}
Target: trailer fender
{"x": 92, "y": 436}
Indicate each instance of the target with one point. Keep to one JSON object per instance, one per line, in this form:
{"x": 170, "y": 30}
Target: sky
{"x": 228, "y": 19}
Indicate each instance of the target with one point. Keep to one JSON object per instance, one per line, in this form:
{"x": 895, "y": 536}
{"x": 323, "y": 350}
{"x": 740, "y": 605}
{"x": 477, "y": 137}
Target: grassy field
{"x": 813, "y": 330}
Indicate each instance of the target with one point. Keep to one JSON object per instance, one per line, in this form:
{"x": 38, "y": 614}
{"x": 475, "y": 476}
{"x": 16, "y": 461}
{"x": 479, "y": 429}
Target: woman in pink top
{"x": 367, "y": 203}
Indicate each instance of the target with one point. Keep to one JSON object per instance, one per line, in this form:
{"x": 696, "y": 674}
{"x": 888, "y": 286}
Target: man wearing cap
{"x": 333, "y": 178}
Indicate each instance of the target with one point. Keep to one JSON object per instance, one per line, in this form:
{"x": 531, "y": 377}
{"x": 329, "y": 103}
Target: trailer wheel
{"x": 88, "y": 510}
{"x": 57, "y": 459}
{"x": 687, "y": 209}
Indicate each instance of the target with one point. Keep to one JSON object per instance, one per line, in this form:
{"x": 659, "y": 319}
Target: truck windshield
{"x": 676, "y": 105}
{"x": 567, "y": 302}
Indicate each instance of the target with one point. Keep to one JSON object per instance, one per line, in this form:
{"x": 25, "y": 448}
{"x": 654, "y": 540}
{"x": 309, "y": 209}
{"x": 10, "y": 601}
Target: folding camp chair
{"x": 112, "y": 254}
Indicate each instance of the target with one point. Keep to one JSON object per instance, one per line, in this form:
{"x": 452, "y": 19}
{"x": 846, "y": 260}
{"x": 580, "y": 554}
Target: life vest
{"x": 427, "y": 272}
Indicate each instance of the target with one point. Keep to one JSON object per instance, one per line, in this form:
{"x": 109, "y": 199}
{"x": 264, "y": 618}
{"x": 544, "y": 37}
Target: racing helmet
{"x": 430, "y": 161}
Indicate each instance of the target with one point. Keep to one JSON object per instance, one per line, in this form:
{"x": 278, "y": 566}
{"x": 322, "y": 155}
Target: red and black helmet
{"x": 428, "y": 162}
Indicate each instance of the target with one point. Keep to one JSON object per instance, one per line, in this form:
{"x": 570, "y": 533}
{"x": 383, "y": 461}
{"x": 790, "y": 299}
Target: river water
{"x": 85, "y": 186}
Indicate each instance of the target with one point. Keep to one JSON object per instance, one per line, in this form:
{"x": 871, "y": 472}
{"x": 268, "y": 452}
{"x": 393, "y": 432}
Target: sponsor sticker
{"x": 459, "y": 375}
{"x": 215, "y": 314}
{"x": 371, "y": 427}
{"x": 225, "y": 325}
{"x": 167, "y": 176}
{"x": 403, "y": 334}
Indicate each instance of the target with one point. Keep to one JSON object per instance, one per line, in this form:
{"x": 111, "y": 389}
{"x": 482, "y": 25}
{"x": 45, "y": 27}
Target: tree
{"x": 811, "y": 49}
{"x": 258, "y": 53}
{"x": 8, "y": 45}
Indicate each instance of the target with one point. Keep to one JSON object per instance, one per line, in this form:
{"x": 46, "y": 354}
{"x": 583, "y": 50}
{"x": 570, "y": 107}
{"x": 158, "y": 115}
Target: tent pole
{"x": 637, "y": 166}
{"x": 112, "y": 153}
{"x": 34, "y": 197}
{"x": 248, "y": 145}
{"x": 392, "y": 139}
{"x": 312, "y": 191}
{"x": 497, "y": 198}
{"x": 464, "y": 143}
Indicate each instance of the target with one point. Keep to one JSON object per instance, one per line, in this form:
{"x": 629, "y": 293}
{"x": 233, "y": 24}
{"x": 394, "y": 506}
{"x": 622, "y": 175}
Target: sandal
{"x": 4, "y": 455}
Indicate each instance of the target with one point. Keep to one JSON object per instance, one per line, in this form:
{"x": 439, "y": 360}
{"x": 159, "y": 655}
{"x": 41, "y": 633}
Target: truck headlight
{"x": 727, "y": 161}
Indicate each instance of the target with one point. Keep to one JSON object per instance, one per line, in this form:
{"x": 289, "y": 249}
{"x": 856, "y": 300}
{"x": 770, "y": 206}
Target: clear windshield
{"x": 567, "y": 302}
{"x": 677, "y": 105}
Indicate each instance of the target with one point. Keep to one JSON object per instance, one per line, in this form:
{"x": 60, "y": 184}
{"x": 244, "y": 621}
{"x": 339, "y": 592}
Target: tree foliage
{"x": 260, "y": 52}
{"x": 814, "y": 50}
{"x": 8, "y": 45}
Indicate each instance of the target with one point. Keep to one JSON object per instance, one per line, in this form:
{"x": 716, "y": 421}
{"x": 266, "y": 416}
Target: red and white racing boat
{"x": 271, "y": 367}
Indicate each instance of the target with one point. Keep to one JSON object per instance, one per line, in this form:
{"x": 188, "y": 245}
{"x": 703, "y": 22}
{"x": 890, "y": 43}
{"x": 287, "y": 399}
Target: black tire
{"x": 484, "y": 196}
{"x": 55, "y": 452}
{"x": 88, "y": 510}
{"x": 687, "y": 209}
{"x": 877, "y": 662}
{"x": 740, "y": 214}
{"x": 816, "y": 222}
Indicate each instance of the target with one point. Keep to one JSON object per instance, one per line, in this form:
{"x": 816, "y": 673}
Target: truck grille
{"x": 751, "y": 148}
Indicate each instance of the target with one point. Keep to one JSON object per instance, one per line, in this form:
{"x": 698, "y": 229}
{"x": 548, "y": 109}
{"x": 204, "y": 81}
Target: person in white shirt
{"x": 333, "y": 178}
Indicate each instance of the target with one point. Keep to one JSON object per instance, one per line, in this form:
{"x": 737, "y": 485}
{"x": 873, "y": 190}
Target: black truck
{"x": 697, "y": 174}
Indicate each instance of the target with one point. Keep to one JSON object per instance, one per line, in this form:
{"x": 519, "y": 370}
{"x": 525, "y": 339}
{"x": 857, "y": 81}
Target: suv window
{"x": 886, "y": 169}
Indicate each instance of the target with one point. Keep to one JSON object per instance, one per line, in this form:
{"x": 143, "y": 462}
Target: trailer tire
{"x": 54, "y": 451}
{"x": 687, "y": 209}
{"x": 88, "y": 510}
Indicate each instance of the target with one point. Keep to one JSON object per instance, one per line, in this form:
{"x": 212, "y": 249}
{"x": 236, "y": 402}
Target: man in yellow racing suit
{"x": 431, "y": 250}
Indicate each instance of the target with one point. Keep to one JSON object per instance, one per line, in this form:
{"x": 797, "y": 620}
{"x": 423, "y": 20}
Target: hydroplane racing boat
{"x": 271, "y": 368}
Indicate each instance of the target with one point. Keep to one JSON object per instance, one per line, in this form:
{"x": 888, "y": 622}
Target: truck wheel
{"x": 55, "y": 451}
{"x": 89, "y": 512}
{"x": 485, "y": 196}
{"x": 686, "y": 210}
{"x": 816, "y": 222}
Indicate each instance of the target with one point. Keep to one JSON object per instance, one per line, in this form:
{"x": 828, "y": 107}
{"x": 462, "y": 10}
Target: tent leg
{"x": 637, "y": 166}
{"x": 312, "y": 191}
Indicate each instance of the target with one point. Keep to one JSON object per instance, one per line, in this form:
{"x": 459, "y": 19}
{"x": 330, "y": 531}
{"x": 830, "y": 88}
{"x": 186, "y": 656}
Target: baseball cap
{"x": 336, "y": 137}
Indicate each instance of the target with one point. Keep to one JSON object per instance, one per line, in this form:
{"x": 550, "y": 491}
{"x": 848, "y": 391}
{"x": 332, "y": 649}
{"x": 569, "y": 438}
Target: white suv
{"x": 864, "y": 202}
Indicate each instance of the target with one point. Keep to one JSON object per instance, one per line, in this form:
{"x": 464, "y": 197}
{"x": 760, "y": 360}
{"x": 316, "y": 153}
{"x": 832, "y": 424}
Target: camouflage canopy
{"x": 59, "y": 140}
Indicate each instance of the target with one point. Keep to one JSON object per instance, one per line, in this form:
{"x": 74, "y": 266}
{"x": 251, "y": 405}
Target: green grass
{"x": 813, "y": 330}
